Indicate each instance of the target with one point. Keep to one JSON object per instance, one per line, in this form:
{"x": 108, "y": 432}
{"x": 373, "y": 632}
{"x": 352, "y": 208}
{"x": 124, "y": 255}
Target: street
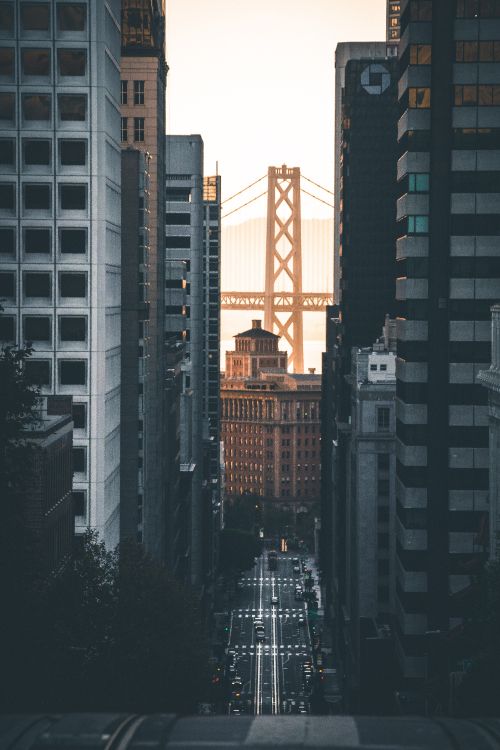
{"x": 271, "y": 670}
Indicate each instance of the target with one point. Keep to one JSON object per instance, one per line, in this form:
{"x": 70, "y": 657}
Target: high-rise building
{"x": 60, "y": 225}
{"x": 449, "y": 222}
{"x": 393, "y": 26}
{"x": 143, "y": 81}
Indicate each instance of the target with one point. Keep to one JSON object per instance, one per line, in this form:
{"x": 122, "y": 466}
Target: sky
{"x": 256, "y": 79}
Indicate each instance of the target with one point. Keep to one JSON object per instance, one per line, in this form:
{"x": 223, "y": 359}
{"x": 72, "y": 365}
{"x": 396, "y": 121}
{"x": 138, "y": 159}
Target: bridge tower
{"x": 284, "y": 260}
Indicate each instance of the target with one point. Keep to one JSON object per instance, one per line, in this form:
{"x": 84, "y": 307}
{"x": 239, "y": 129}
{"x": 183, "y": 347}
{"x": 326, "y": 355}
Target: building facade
{"x": 270, "y": 425}
{"x": 447, "y": 251}
{"x": 60, "y": 224}
{"x": 393, "y": 25}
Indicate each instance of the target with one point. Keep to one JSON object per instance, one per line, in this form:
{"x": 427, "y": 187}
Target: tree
{"x": 238, "y": 550}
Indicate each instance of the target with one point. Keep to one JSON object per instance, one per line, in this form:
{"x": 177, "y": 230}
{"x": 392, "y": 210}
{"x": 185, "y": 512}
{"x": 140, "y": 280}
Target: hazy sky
{"x": 256, "y": 77}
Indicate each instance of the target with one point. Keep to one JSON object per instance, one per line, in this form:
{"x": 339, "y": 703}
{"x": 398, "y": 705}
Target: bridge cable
{"x": 317, "y": 185}
{"x": 330, "y": 205}
{"x": 245, "y": 188}
{"x": 245, "y": 204}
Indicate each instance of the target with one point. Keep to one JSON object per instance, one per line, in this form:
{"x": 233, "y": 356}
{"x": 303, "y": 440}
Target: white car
{"x": 274, "y": 600}
{"x": 260, "y": 633}
{"x": 258, "y": 623}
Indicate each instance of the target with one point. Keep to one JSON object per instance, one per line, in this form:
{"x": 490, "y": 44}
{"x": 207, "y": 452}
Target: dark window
{"x": 478, "y": 9}
{"x": 383, "y": 461}
{"x": 35, "y": 62}
{"x": 37, "y": 197}
{"x": 73, "y": 241}
{"x": 383, "y": 418}
{"x": 383, "y": 540}
{"x": 124, "y": 129}
{"x": 178, "y": 194}
{"x": 7, "y": 62}
{"x": 124, "y": 92}
{"x": 71, "y": 16}
{"x": 7, "y": 328}
{"x": 7, "y": 152}
{"x": 177, "y": 218}
{"x": 72, "y": 153}
{"x": 79, "y": 416}
{"x": 38, "y": 371}
{"x": 72, "y": 107}
{"x": 6, "y": 17}
{"x": 72, "y": 284}
{"x": 37, "y": 329}
{"x": 35, "y": 16}
{"x": 73, "y": 197}
{"x": 176, "y": 241}
{"x": 79, "y": 504}
{"x": 7, "y": 102}
{"x": 72, "y": 62}
{"x": 383, "y": 594}
{"x": 79, "y": 460}
{"x": 138, "y": 129}
{"x": 72, "y": 372}
{"x": 7, "y": 284}
{"x": 36, "y": 106}
{"x": 73, "y": 329}
{"x": 383, "y": 487}
{"x": 421, "y": 10}
{"x": 7, "y": 196}
{"x": 37, "y": 240}
{"x": 7, "y": 240}
{"x": 37, "y": 285}
{"x": 36, "y": 152}
{"x": 383, "y": 567}
{"x": 138, "y": 92}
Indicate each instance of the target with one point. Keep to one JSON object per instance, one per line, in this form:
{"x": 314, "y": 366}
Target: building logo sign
{"x": 375, "y": 79}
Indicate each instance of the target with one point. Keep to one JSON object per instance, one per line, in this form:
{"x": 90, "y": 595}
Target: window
{"x": 73, "y": 328}
{"x": 178, "y": 194}
{"x": 482, "y": 96}
{"x": 36, "y": 152}
{"x": 7, "y": 152}
{"x": 37, "y": 240}
{"x": 383, "y": 461}
{"x": 418, "y": 224}
{"x": 383, "y": 540}
{"x": 79, "y": 460}
{"x": 420, "y": 54}
{"x": 38, "y": 371}
{"x": 7, "y": 240}
{"x": 72, "y": 153}
{"x": 73, "y": 197}
{"x": 72, "y": 62}
{"x": 478, "y": 9}
{"x": 383, "y": 368}
{"x": 124, "y": 129}
{"x": 418, "y": 183}
{"x": 7, "y": 196}
{"x": 35, "y": 16}
{"x": 180, "y": 242}
{"x": 73, "y": 241}
{"x": 421, "y": 10}
{"x": 179, "y": 219}
{"x": 7, "y": 285}
{"x": 419, "y": 98}
{"x": 37, "y": 329}
{"x": 79, "y": 502}
{"x": 7, "y": 62}
{"x": 72, "y": 372}
{"x": 383, "y": 489}
{"x": 7, "y": 328}
{"x": 138, "y": 92}
{"x": 79, "y": 412}
{"x": 35, "y": 62}
{"x": 138, "y": 129}
{"x": 72, "y": 284}
{"x": 373, "y": 368}
{"x": 72, "y": 107}
{"x": 6, "y": 17}
{"x": 37, "y": 284}
{"x": 37, "y": 197}
{"x": 7, "y": 102}
{"x": 124, "y": 92}
{"x": 36, "y": 106}
{"x": 71, "y": 16}
{"x": 383, "y": 418}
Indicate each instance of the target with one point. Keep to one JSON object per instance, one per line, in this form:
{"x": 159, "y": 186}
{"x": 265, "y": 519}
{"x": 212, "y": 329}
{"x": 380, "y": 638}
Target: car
{"x": 274, "y": 599}
{"x": 296, "y": 569}
{"x": 301, "y": 620}
{"x": 260, "y": 634}
{"x": 236, "y": 683}
{"x": 295, "y": 560}
{"x": 258, "y": 623}
{"x": 298, "y": 596}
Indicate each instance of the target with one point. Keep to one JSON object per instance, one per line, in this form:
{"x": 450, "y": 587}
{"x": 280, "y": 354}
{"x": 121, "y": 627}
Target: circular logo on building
{"x": 375, "y": 79}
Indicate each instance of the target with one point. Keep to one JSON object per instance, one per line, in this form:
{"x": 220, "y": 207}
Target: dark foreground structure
{"x": 131, "y": 732}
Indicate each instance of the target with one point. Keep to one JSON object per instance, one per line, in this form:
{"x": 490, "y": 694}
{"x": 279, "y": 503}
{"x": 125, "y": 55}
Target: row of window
{"x": 138, "y": 129}
{"x": 37, "y": 17}
{"x": 70, "y": 372}
{"x": 38, "y": 284}
{"x": 138, "y": 92}
{"x": 36, "y": 61}
{"x": 482, "y": 95}
{"x": 38, "y": 197}
{"x": 462, "y": 138}
{"x": 39, "y": 240}
{"x": 39, "y": 328}
{"x": 38, "y": 107}
{"x": 38, "y": 152}
{"x": 421, "y": 10}
{"x": 465, "y": 51}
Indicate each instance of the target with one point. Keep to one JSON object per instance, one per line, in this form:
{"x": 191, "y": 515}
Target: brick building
{"x": 270, "y": 423}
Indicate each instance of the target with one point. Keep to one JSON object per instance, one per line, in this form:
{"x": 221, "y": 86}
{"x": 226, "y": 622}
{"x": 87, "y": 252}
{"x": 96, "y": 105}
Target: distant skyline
{"x": 256, "y": 79}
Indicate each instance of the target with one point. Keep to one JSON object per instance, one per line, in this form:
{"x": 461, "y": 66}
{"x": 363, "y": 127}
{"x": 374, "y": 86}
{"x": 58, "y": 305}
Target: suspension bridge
{"x": 283, "y": 299}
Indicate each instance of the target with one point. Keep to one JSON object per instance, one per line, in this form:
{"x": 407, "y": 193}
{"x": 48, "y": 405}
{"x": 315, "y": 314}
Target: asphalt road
{"x": 271, "y": 671}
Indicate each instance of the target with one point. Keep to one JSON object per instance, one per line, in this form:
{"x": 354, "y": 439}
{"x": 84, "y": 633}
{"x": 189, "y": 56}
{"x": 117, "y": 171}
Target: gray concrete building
{"x": 60, "y": 224}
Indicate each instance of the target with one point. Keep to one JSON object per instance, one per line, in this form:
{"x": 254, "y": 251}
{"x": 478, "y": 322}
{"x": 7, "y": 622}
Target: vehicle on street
{"x": 296, "y": 569}
{"x": 260, "y": 633}
{"x": 274, "y": 599}
{"x": 301, "y": 620}
{"x": 295, "y": 560}
{"x": 298, "y": 595}
{"x": 258, "y": 623}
